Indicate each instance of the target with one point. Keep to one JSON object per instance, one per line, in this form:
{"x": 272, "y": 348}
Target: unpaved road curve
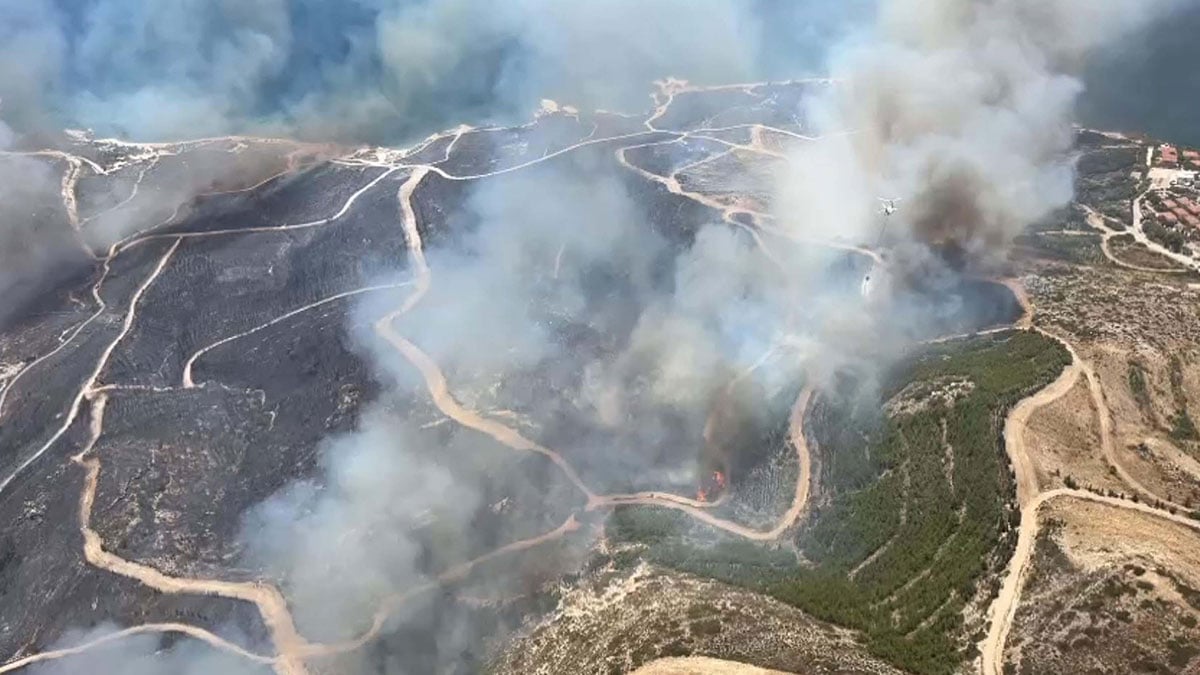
{"x": 188, "y": 383}
{"x": 452, "y": 575}
{"x": 439, "y": 391}
{"x": 1005, "y": 606}
{"x": 77, "y": 402}
{"x": 1018, "y": 421}
{"x": 268, "y": 599}
{"x": 799, "y": 500}
{"x": 144, "y": 629}
{"x": 292, "y": 648}
{"x": 1030, "y": 500}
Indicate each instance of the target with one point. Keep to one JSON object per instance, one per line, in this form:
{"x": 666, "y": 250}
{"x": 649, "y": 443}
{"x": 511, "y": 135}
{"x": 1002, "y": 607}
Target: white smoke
{"x": 961, "y": 108}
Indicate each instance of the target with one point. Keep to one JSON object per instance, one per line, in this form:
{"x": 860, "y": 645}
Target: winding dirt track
{"x": 455, "y": 574}
{"x": 789, "y": 519}
{"x": 88, "y": 384}
{"x": 439, "y": 391}
{"x": 144, "y": 629}
{"x": 268, "y": 599}
{"x": 188, "y": 383}
{"x": 291, "y": 648}
{"x": 1029, "y": 497}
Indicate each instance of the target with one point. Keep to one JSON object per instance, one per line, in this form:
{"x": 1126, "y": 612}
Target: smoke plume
{"x": 376, "y": 70}
{"x": 556, "y": 305}
{"x": 964, "y": 110}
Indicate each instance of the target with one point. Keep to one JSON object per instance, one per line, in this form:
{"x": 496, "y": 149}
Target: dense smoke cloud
{"x": 378, "y": 70}
{"x": 379, "y": 486}
{"x": 964, "y": 110}
{"x": 36, "y": 243}
{"x": 375, "y": 70}
{"x": 544, "y": 256}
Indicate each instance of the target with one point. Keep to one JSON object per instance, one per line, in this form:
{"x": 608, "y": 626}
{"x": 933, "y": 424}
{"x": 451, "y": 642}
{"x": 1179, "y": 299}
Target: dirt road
{"x": 439, "y": 391}
{"x": 292, "y": 650}
{"x": 1030, "y": 498}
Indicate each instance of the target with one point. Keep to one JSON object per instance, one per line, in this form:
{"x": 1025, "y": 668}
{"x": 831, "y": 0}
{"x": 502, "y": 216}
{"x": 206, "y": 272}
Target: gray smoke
{"x": 346, "y": 543}
{"x": 146, "y": 654}
{"x": 379, "y": 70}
{"x": 559, "y": 301}
{"x": 963, "y": 109}
{"x": 37, "y": 244}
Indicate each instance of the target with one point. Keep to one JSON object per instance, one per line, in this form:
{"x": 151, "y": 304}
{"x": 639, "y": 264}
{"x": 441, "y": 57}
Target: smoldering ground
{"x": 963, "y": 110}
{"x": 562, "y": 312}
{"x": 383, "y": 71}
{"x": 45, "y": 247}
{"x": 564, "y": 306}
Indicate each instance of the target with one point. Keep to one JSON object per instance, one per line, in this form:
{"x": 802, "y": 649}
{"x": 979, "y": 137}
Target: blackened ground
{"x": 665, "y": 159}
{"x": 314, "y": 194}
{"x": 47, "y": 588}
{"x": 432, "y": 153}
{"x": 775, "y": 105}
{"x": 694, "y": 110}
{"x": 38, "y": 249}
{"x": 488, "y": 150}
{"x": 442, "y": 217}
{"x": 180, "y": 467}
{"x": 168, "y": 182}
{"x": 221, "y": 286}
{"x": 36, "y": 330}
{"x": 611, "y": 124}
{"x": 97, "y": 193}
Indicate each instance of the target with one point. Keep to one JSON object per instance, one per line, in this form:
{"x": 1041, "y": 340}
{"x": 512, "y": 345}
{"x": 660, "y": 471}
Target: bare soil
{"x": 1100, "y": 600}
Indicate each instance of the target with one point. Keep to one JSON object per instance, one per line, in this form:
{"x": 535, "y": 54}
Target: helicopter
{"x": 889, "y": 209}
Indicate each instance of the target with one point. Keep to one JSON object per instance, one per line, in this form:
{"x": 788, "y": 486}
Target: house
{"x": 1168, "y": 218}
{"x": 1191, "y": 206}
{"x": 1169, "y": 154}
{"x": 1170, "y": 204}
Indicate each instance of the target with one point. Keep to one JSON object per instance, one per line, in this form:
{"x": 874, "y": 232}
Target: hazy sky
{"x": 1150, "y": 83}
{"x": 382, "y": 70}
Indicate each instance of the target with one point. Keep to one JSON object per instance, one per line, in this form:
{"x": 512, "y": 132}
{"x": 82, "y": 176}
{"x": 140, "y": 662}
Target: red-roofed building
{"x": 1170, "y": 204}
{"x": 1169, "y": 154}
{"x": 1191, "y": 155}
{"x": 1168, "y": 218}
{"x": 1192, "y": 221}
{"x": 1190, "y": 205}
{"x": 1180, "y": 212}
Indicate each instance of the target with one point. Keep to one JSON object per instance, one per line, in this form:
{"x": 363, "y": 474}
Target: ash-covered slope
{"x": 185, "y": 382}
{"x": 216, "y": 331}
